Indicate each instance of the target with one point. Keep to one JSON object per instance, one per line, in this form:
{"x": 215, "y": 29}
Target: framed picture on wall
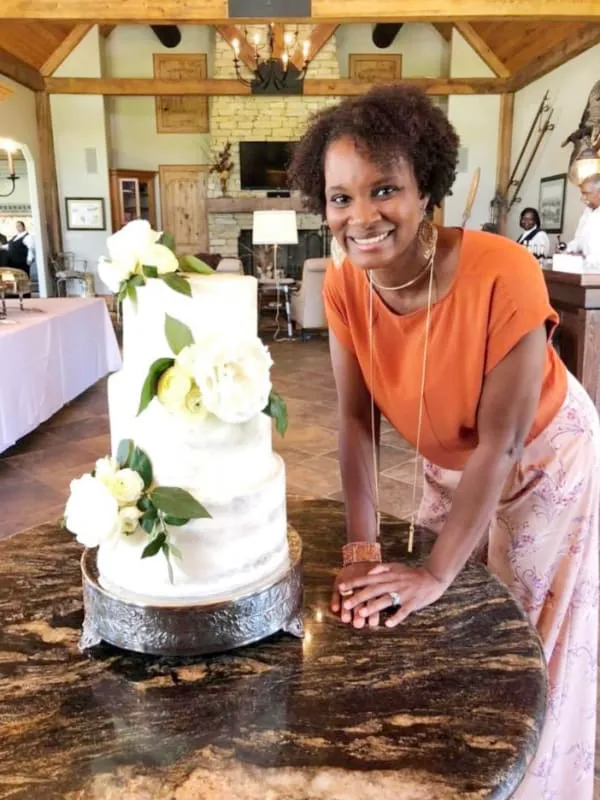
{"x": 375, "y": 67}
{"x": 85, "y": 214}
{"x": 552, "y": 202}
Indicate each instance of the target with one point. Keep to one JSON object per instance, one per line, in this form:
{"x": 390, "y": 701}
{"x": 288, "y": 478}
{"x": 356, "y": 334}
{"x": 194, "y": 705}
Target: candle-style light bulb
{"x": 285, "y": 58}
{"x": 236, "y": 47}
{"x": 11, "y": 166}
{"x": 305, "y": 49}
{"x": 288, "y": 39}
{"x": 256, "y": 40}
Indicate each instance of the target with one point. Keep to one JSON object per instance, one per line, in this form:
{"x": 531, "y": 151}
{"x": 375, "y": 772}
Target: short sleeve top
{"x": 497, "y": 296}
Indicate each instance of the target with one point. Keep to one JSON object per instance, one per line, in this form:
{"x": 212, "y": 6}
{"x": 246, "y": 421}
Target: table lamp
{"x": 274, "y": 227}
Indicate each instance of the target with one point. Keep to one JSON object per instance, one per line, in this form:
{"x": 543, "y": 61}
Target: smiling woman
{"x": 447, "y": 333}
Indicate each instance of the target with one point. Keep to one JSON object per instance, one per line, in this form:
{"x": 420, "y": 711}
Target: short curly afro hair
{"x": 387, "y": 122}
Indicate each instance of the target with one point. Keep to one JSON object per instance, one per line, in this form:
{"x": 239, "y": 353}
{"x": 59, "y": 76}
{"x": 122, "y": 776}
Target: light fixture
{"x": 11, "y": 148}
{"x": 272, "y": 75}
{"x": 274, "y": 227}
{"x": 585, "y": 165}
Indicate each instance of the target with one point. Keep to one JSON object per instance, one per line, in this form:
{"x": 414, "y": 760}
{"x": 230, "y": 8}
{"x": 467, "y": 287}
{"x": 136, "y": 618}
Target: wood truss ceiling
{"x": 517, "y": 52}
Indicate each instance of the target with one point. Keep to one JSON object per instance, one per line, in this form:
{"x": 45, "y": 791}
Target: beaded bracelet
{"x": 353, "y": 552}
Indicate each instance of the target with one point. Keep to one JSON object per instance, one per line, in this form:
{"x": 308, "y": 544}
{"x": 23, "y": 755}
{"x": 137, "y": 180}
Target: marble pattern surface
{"x": 449, "y": 705}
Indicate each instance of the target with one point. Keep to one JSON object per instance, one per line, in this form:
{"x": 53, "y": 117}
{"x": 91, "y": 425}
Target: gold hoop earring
{"x": 338, "y": 254}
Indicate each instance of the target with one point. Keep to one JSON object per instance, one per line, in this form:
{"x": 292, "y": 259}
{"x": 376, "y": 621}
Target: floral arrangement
{"x": 222, "y": 165}
{"x": 228, "y": 378}
{"x": 138, "y": 253}
{"x": 119, "y": 496}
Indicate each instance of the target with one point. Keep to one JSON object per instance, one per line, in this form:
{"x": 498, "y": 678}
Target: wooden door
{"x": 183, "y": 192}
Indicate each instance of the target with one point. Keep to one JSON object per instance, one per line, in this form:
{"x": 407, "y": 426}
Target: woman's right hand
{"x": 358, "y": 570}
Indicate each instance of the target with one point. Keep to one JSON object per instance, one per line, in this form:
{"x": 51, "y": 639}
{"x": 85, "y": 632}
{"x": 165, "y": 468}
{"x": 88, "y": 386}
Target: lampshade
{"x": 274, "y": 227}
{"x": 585, "y": 166}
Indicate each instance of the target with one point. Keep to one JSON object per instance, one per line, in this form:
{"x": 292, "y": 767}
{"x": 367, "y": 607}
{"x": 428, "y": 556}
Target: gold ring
{"x": 347, "y": 593}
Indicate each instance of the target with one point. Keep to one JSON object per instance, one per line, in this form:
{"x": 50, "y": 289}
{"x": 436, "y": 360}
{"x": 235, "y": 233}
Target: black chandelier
{"x": 271, "y": 75}
{"x": 10, "y": 147}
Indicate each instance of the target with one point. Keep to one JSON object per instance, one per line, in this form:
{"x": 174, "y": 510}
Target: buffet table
{"x": 447, "y": 706}
{"x": 49, "y": 354}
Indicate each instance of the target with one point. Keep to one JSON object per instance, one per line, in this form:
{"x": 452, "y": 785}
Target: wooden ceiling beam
{"x": 545, "y": 63}
{"x": 444, "y": 29}
{"x": 64, "y": 49}
{"x": 4, "y": 92}
{"x": 151, "y": 87}
{"x": 333, "y": 11}
{"x": 483, "y": 50}
{"x": 18, "y": 71}
{"x": 230, "y": 33}
{"x": 319, "y": 36}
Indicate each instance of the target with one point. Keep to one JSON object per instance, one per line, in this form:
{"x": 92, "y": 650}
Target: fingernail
{"x": 343, "y": 587}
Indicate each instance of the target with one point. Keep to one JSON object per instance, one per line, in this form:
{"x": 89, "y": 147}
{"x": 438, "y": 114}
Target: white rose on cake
{"x": 125, "y": 485}
{"x": 160, "y": 257}
{"x": 112, "y": 273}
{"x": 92, "y": 513}
{"x": 233, "y": 378}
{"x": 129, "y": 519}
{"x": 132, "y": 241}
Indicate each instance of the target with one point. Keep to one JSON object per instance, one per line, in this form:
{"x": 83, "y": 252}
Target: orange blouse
{"x": 498, "y": 295}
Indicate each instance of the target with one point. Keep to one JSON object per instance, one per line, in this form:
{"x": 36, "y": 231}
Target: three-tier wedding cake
{"x": 190, "y": 507}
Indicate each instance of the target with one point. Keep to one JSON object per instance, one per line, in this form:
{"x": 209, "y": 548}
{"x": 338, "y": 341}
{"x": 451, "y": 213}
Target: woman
{"x": 446, "y": 332}
{"x": 533, "y": 237}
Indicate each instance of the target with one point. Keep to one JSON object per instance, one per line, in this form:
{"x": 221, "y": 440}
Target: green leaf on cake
{"x": 178, "y": 334}
{"x": 178, "y": 503}
{"x": 177, "y": 283}
{"x": 145, "y": 504}
{"x": 171, "y": 520}
{"x": 124, "y": 452}
{"x": 193, "y": 264}
{"x": 131, "y": 288}
{"x": 155, "y": 546}
{"x": 122, "y": 291}
{"x": 150, "y": 386}
{"x": 141, "y": 464}
{"x": 277, "y": 409}
{"x": 148, "y": 520}
{"x": 166, "y": 548}
{"x": 167, "y": 240}
{"x": 150, "y": 272}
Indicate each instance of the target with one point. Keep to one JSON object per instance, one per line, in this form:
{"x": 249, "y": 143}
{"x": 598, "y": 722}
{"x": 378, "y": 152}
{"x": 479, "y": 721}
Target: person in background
{"x": 20, "y": 247}
{"x": 533, "y": 237}
{"x": 446, "y": 333}
{"x": 586, "y": 241}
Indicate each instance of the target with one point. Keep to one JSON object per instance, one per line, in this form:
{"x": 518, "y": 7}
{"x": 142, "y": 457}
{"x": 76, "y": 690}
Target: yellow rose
{"x": 173, "y": 387}
{"x": 194, "y": 404}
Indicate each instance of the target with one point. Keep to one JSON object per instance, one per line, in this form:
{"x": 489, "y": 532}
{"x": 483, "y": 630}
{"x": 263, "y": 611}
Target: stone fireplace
{"x": 261, "y": 118}
{"x": 290, "y": 258}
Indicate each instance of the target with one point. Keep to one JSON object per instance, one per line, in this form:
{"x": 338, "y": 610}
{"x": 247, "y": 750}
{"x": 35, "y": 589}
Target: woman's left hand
{"x": 415, "y": 586}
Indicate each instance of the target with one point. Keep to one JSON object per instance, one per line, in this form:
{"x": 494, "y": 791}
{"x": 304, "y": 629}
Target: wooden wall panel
{"x": 181, "y": 114}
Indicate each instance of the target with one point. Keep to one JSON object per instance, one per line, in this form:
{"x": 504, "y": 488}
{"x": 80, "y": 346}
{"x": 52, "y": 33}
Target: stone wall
{"x": 268, "y": 118}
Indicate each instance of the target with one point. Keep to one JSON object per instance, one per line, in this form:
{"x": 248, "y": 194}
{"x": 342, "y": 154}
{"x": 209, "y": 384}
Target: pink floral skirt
{"x": 543, "y": 544}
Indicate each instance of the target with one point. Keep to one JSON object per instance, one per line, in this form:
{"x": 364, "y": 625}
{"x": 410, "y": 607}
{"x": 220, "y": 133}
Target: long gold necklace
{"x": 413, "y": 516}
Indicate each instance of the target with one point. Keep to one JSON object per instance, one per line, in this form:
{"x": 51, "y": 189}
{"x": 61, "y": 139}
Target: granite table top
{"x": 448, "y": 705}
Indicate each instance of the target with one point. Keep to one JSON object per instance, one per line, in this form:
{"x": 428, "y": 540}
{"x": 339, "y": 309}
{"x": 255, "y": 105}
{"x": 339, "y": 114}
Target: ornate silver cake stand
{"x": 185, "y": 630}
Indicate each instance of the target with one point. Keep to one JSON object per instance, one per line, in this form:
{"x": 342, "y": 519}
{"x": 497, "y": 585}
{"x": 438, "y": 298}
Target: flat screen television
{"x": 263, "y": 165}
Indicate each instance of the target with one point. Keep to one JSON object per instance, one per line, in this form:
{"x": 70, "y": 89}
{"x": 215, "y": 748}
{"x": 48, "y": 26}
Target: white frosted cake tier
{"x": 219, "y": 305}
{"x": 217, "y": 457}
{"x": 242, "y": 545}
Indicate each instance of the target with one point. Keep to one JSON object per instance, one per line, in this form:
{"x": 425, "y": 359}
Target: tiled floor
{"x": 35, "y": 474}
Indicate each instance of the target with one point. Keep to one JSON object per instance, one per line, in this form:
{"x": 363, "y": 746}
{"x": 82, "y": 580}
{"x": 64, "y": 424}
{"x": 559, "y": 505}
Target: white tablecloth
{"x": 47, "y": 359}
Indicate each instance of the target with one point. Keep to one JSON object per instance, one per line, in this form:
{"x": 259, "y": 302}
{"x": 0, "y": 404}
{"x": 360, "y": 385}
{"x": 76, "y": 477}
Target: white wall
{"x": 18, "y": 122}
{"x": 476, "y": 119}
{"x": 79, "y": 124}
{"x": 424, "y": 51}
{"x": 135, "y": 144}
{"x": 569, "y": 86}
